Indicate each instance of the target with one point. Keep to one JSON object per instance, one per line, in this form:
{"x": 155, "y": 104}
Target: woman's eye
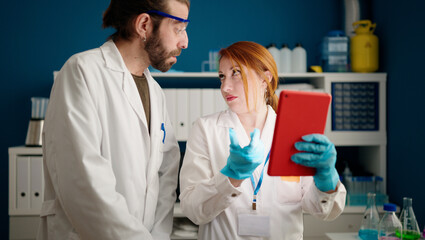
{"x": 221, "y": 76}
{"x": 236, "y": 72}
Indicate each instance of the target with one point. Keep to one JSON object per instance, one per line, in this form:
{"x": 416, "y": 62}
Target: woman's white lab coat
{"x": 106, "y": 176}
{"x": 210, "y": 200}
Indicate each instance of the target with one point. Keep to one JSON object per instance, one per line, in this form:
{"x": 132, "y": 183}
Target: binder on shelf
{"x": 194, "y": 105}
{"x": 208, "y": 105}
{"x": 182, "y": 107}
{"x": 36, "y": 183}
{"x": 171, "y": 99}
{"x": 220, "y": 105}
{"x": 22, "y": 182}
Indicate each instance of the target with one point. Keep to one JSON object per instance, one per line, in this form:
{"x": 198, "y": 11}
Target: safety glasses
{"x": 168, "y": 16}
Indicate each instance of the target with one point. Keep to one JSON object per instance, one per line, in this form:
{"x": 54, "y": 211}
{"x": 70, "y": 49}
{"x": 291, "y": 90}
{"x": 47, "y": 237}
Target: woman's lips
{"x": 230, "y": 98}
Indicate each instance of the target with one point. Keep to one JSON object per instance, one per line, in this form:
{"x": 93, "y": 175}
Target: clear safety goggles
{"x": 181, "y": 23}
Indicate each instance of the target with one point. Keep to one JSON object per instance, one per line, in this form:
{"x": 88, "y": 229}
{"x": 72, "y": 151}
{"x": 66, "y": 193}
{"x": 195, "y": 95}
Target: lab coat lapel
{"x": 130, "y": 89}
{"x": 155, "y": 122}
{"x": 115, "y": 62}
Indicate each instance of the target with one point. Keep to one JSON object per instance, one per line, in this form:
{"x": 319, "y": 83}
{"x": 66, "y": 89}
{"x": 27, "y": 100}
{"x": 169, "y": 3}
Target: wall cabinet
{"x": 356, "y": 124}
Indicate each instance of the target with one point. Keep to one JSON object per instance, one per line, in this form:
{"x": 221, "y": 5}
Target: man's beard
{"x": 158, "y": 55}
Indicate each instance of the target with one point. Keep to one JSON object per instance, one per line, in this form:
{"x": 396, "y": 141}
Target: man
{"x": 110, "y": 156}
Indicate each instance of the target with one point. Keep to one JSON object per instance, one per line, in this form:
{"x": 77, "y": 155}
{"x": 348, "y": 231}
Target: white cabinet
{"x": 25, "y": 191}
{"x": 25, "y": 180}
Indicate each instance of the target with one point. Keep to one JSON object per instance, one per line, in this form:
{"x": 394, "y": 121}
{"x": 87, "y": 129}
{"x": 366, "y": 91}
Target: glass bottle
{"x": 370, "y": 222}
{"x": 389, "y": 226}
{"x": 408, "y": 221}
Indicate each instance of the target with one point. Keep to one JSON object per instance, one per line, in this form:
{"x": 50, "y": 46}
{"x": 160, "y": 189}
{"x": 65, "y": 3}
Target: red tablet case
{"x": 299, "y": 113}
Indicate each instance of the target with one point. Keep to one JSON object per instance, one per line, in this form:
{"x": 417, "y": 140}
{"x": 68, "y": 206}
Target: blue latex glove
{"x": 320, "y": 153}
{"x": 242, "y": 162}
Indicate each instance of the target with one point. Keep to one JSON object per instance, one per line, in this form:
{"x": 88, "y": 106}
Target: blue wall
{"x": 400, "y": 27}
{"x": 39, "y": 36}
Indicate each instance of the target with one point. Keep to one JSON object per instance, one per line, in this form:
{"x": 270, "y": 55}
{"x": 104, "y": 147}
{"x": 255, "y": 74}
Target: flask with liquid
{"x": 389, "y": 226}
{"x": 299, "y": 59}
{"x": 408, "y": 221}
{"x": 285, "y": 59}
{"x": 370, "y": 222}
{"x": 275, "y": 53}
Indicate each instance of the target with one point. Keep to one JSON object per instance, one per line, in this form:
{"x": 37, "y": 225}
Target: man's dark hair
{"x": 121, "y": 15}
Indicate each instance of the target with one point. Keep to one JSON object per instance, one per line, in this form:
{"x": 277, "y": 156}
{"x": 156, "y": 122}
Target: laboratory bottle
{"x": 335, "y": 54}
{"x": 285, "y": 55}
{"x": 299, "y": 59}
{"x": 389, "y": 226}
{"x": 370, "y": 222}
{"x": 408, "y": 221}
{"x": 275, "y": 53}
{"x": 347, "y": 177}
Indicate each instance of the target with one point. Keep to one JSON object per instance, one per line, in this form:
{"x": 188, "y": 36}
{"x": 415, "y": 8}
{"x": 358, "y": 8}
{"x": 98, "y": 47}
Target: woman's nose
{"x": 226, "y": 86}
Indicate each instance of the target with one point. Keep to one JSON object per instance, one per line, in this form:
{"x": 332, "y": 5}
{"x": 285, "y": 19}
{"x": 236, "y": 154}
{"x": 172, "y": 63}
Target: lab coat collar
{"x": 115, "y": 62}
{"x": 112, "y": 56}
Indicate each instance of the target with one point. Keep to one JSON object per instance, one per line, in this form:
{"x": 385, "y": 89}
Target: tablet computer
{"x": 299, "y": 113}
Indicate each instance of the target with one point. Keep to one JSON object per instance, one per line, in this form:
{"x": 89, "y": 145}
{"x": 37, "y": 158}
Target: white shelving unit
{"x": 370, "y": 145}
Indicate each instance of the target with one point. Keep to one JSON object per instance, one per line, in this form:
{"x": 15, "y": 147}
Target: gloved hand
{"x": 242, "y": 162}
{"x": 320, "y": 153}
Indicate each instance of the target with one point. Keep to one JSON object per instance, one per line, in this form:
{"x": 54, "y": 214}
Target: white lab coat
{"x": 106, "y": 177}
{"x": 210, "y": 200}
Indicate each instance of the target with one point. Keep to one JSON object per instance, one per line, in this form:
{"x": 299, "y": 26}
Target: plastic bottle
{"x": 275, "y": 53}
{"x": 299, "y": 59}
{"x": 389, "y": 226}
{"x": 370, "y": 222}
{"x": 347, "y": 177}
{"x": 285, "y": 59}
{"x": 408, "y": 221}
{"x": 335, "y": 54}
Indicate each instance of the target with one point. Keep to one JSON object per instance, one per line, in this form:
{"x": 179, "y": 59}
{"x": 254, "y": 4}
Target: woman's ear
{"x": 268, "y": 75}
{"x": 142, "y": 25}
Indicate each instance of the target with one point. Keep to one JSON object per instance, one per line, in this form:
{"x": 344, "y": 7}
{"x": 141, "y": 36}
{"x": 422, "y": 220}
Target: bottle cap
{"x": 336, "y": 33}
{"x": 390, "y": 207}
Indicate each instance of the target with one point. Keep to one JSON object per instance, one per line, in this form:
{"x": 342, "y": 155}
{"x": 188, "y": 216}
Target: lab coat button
{"x": 324, "y": 201}
{"x": 234, "y": 194}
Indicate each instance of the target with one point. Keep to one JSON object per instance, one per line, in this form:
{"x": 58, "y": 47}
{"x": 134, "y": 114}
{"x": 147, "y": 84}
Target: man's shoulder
{"x": 89, "y": 56}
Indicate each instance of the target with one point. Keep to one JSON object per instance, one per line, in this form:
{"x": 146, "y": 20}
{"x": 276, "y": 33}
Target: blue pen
{"x": 163, "y": 129}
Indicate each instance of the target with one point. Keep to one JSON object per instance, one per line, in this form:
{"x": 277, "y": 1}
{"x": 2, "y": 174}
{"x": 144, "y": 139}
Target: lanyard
{"x": 260, "y": 181}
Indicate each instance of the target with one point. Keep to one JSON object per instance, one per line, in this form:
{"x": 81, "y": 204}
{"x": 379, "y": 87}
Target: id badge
{"x": 253, "y": 223}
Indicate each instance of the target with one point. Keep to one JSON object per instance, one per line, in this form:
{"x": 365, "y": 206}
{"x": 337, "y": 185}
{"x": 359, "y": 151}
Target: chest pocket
{"x": 288, "y": 190}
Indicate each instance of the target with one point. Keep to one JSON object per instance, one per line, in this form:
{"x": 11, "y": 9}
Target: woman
{"x": 225, "y": 149}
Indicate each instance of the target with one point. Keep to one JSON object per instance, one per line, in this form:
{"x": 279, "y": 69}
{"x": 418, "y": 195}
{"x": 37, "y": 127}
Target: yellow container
{"x": 364, "y": 47}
